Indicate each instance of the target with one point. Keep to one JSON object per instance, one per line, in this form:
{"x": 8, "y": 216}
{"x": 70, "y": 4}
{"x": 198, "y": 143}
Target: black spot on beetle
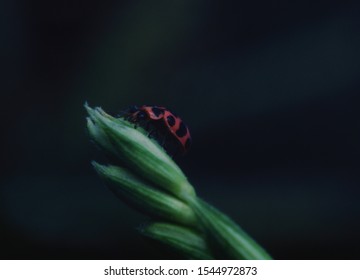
{"x": 181, "y": 132}
{"x": 157, "y": 111}
{"x": 170, "y": 120}
{"x": 188, "y": 144}
{"x": 141, "y": 115}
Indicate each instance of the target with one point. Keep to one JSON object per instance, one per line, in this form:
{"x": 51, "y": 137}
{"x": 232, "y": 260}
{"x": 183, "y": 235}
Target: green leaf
{"x": 228, "y": 240}
{"x": 188, "y": 242}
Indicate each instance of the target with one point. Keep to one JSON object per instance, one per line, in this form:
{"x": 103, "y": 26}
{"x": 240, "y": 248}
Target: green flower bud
{"x": 188, "y": 242}
{"x": 154, "y": 184}
{"x": 101, "y": 138}
{"x": 143, "y": 155}
{"x": 147, "y": 199}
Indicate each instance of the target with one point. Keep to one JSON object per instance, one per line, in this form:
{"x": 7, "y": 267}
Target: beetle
{"x": 160, "y": 121}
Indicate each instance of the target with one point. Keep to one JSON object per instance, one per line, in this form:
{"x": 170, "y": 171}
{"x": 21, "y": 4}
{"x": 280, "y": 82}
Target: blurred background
{"x": 269, "y": 89}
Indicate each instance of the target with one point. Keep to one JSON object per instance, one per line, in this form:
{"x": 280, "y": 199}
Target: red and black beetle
{"x": 161, "y": 121}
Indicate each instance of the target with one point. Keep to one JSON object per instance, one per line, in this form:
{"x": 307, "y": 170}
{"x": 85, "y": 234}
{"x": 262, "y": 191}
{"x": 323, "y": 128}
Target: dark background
{"x": 269, "y": 89}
